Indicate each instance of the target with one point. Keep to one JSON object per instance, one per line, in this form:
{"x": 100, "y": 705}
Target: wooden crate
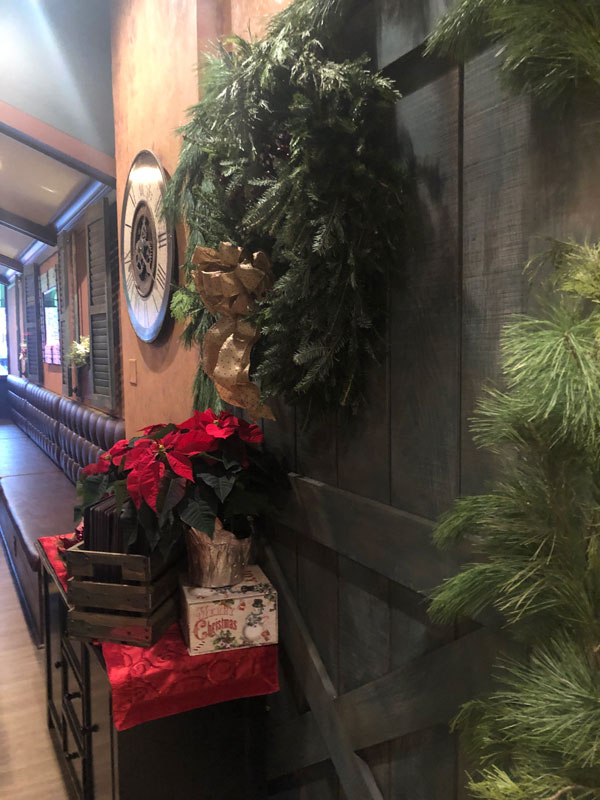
{"x": 115, "y": 597}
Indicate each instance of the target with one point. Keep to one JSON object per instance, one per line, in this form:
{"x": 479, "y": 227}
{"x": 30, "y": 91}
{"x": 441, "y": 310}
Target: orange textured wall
{"x": 249, "y": 18}
{"x": 52, "y": 372}
{"x": 154, "y": 57}
{"x": 156, "y": 45}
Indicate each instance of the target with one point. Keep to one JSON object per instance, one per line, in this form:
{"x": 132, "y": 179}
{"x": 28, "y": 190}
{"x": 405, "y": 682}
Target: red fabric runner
{"x": 150, "y": 683}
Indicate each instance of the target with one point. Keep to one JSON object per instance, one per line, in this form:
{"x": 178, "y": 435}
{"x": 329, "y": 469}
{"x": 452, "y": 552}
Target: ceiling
{"x": 34, "y": 185}
{"x": 56, "y": 122}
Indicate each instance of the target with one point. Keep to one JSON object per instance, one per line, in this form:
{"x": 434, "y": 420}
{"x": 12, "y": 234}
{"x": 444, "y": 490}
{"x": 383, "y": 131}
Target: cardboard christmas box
{"x": 244, "y": 615}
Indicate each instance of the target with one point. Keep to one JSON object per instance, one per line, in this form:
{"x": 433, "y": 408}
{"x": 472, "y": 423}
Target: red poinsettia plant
{"x": 210, "y": 467}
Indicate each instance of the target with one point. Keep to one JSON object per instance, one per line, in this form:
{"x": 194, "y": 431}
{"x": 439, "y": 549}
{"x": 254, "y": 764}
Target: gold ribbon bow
{"x": 230, "y": 280}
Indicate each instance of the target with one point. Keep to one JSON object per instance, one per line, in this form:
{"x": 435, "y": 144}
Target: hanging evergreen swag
{"x": 287, "y": 153}
{"x": 550, "y": 48}
{"x": 536, "y": 539}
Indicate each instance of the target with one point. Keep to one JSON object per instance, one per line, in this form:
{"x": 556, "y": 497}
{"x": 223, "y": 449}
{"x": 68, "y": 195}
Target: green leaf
{"x": 221, "y": 484}
{"x": 162, "y": 432}
{"x": 91, "y": 489}
{"x": 198, "y": 514}
{"x": 174, "y": 493}
{"x": 119, "y": 489}
{"x": 128, "y": 522}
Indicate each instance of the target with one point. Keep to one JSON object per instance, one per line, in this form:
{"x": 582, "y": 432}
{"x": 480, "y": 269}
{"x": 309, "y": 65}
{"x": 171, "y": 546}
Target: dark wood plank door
{"x": 353, "y": 551}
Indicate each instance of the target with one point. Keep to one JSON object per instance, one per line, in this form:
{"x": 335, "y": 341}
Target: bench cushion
{"x": 8, "y": 430}
{"x": 20, "y": 456}
{"x": 39, "y": 503}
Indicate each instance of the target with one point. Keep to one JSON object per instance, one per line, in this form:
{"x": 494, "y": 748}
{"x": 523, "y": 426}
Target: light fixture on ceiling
{"x": 47, "y": 189}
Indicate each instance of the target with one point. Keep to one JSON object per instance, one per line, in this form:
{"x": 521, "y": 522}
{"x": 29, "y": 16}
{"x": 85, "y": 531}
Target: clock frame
{"x": 147, "y": 246}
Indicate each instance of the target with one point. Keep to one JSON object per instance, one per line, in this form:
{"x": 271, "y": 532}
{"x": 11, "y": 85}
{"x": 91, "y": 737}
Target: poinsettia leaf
{"x": 234, "y": 451}
{"x": 91, "y": 489}
{"x": 198, "y": 514}
{"x": 128, "y": 524}
{"x": 174, "y": 494}
{"x": 170, "y": 534}
{"x": 181, "y": 465}
{"x": 248, "y": 503}
{"x": 119, "y": 489}
{"x": 147, "y": 519}
{"x": 231, "y": 463}
{"x": 161, "y": 432}
{"x": 150, "y": 482}
{"x": 221, "y": 484}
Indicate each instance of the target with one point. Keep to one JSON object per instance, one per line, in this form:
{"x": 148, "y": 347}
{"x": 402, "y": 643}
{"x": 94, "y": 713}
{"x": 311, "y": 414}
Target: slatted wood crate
{"x": 114, "y": 597}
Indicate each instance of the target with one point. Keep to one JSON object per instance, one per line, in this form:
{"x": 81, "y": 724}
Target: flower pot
{"x": 219, "y": 561}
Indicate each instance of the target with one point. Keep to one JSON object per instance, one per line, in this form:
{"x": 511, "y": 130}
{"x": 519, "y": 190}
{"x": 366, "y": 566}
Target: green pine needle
{"x": 260, "y": 167}
{"x": 551, "y": 49}
{"x": 534, "y": 537}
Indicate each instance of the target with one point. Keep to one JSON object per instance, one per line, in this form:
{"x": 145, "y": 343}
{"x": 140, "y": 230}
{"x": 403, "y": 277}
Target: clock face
{"x": 147, "y": 247}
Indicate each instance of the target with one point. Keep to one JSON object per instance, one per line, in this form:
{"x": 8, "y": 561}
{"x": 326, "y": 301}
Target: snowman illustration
{"x": 253, "y": 626}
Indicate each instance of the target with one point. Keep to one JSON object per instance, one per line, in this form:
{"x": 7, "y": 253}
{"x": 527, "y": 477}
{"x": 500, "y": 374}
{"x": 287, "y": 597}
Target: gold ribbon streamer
{"x": 230, "y": 280}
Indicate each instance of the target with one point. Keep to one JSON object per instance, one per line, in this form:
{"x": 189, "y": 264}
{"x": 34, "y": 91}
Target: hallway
{"x": 28, "y": 767}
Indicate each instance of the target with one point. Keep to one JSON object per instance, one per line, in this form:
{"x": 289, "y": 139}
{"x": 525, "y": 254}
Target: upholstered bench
{"x": 43, "y": 448}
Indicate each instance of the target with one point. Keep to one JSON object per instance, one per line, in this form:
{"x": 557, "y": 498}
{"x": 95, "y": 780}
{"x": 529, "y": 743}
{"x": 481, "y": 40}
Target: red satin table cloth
{"x": 150, "y": 683}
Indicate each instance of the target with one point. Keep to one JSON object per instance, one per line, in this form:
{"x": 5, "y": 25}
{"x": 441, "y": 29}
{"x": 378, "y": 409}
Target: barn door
{"x": 365, "y": 674}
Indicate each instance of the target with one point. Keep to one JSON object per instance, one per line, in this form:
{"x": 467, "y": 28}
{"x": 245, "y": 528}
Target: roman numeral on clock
{"x": 161, "y": 276}
{"x": 163, "y": 239}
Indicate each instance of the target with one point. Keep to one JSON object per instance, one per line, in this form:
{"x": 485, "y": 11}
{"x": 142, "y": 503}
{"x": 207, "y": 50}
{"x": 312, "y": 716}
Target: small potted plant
{"x": 79, "y": 357}
{"x": 207, "y": 479}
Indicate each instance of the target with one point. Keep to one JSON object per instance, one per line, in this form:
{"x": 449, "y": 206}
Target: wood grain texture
{"x": 28, "y": 766}
{"x": 422, "y": 694}
{"x": 402, "y": 27}
{"x": 425, "y": 323}
{"x": 354, "y": 775}
{"x": 316, "y": 448}
{"x": 384, "y": 539}
{"x": 497, "y": 196}
{"x": 364, "y": 644}
{"x": 280, "y": 436}
{"x": 363, "y": 448}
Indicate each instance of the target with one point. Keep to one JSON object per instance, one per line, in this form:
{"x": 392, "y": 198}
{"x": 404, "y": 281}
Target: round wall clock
{"x": 147, "y": 246}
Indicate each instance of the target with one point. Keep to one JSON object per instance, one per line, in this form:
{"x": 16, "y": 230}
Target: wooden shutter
{"x": 63, "y": 290}
{"x": 32, "y": 311}
{"x": 103, "y": 283}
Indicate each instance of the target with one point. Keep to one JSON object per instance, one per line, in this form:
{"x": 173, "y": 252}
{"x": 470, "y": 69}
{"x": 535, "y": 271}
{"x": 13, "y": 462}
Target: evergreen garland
{"x": 551, "y": 49}
{"x": 287, "y": 152}
{"x": 535, "y": 536}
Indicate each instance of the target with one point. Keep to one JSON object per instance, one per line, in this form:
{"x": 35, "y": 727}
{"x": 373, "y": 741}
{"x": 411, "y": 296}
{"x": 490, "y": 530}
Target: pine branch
{"x": 550, "y": 50}
{"x": 535, "y": 540}
{"x": 258, "y": 168}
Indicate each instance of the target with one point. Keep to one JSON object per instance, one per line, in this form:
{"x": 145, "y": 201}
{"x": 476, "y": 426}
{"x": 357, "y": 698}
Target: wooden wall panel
{"x": 402, "y": 27}
{"x": 316, "y": 448}
{"x": 363, "y": 446}
{"x": 492, "y": 175}
{"x": 364, "y": 644}
{"x": 497, "y": 196}
{"x": 425, "y": 321}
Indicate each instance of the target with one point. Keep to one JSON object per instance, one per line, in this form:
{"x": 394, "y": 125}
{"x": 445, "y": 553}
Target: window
{"x": 51, "y": 338}
{"x": 3, "y": 333}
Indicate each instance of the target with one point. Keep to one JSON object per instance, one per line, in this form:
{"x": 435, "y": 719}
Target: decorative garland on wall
{"x": 536, "y": 540}
{"x": 287, "y": 153}
{"x": 550, "y": 48}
